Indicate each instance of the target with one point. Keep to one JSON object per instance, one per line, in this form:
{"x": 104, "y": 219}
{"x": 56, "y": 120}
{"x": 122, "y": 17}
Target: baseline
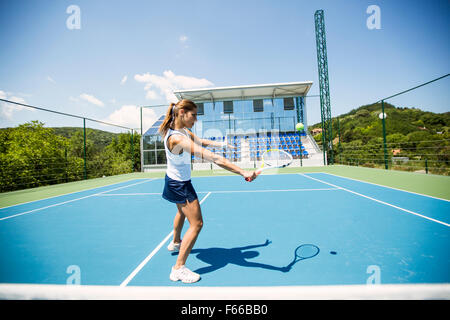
{"x": 219, "y": 191}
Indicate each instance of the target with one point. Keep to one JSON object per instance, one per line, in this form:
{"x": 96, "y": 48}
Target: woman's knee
{"x": 199, "y": 224}
{"x": 193, "y": 213}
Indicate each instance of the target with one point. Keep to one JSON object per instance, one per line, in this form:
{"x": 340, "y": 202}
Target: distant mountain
{"x": 100, "y": 138}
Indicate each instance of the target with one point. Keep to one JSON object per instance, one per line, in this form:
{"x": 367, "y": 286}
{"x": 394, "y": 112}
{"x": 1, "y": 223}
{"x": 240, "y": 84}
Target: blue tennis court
{"x": 117, "y": 235}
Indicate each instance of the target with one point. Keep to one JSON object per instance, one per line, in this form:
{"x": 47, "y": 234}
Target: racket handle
{"x": 258, "y": 172}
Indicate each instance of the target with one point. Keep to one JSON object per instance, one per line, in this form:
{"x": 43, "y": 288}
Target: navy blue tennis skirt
{"x": 178, "y": 191}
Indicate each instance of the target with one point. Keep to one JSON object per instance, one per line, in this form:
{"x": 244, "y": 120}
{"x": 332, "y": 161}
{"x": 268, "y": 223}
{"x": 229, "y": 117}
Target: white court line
{"x": 219, "y": 191}
{"x": 69, "y": 201}
{"x": 379, "y": 201}
{"x": 275, "y": 190}
{"x": 129, "y": 194}
{"x": 380, "y": 185}
{"x": 147, "y": 259}
{"x": 65, "y": 194}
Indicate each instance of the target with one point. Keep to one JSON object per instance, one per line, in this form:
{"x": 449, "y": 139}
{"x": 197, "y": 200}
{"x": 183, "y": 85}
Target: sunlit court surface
{"x": 315, "y": 136}
{"x": 355, "y": 240}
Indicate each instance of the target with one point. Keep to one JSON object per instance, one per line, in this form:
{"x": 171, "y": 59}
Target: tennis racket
{"x": 274, "y": 158}
{"x": 304, "y": 251}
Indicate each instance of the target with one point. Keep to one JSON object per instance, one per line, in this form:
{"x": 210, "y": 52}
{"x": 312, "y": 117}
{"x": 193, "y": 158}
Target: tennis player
{"x": 179, "y": 144}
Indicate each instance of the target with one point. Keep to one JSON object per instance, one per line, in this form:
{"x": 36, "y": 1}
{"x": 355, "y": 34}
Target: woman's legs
{"x": 178, "y": 223}
{"x": 193, "y": 212}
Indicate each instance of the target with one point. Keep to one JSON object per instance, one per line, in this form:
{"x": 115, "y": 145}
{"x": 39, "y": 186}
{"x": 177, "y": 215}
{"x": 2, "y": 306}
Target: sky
{"x": 104, "y": 59}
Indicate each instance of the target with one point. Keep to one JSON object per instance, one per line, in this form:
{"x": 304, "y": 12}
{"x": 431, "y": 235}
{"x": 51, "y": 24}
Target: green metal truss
{"x": 324, "y": 87}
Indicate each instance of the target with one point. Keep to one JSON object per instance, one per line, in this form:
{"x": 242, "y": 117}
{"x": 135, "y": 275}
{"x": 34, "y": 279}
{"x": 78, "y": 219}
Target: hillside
{"x": 33, "y": 155}
{"x": 364, "y": 124}
{"x": 420, "y": 138}
{"x": 99, "y": 138}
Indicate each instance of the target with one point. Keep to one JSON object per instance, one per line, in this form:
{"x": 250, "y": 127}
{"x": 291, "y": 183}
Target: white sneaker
{"x": 184, "y": 274}
{"x": 174, "y": 246}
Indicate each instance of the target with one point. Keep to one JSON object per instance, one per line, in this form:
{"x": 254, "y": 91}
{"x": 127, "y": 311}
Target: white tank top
{"x": 178, "y": 165}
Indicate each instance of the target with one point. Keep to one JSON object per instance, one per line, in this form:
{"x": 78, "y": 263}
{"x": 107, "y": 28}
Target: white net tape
{"x": 350, "y": 292}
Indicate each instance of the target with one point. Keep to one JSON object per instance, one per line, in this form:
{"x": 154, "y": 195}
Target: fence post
{"x": 384, "y": 136}
{"x": 84, "y": 148}
{"x": 65, "y": 164}
{"x": 132, "y": 151}
{"x": 426, "y": 165}
{"x": 339, "y": 146}
{"x": 301, "y": 151}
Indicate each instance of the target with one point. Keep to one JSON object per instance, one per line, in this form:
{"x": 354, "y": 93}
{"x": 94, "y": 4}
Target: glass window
{"x": 258, "y": 105}
{"x": 149, "y": 157}
{"x": 288, "y": 103}
{"x": 200, "y": 109}
{"x": 161, "y": 157}
{"x": 227, "y": 107}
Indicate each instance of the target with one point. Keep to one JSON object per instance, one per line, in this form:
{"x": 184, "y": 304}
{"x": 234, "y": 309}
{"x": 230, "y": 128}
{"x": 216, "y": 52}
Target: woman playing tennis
{"x": 179, "y": 144}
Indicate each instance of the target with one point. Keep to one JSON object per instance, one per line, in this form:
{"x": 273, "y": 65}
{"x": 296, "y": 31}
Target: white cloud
{"x": 51, "y": 79}
{"x": 151, "y": 95}
{"x": 7, "y": 109}
{"x": 18, "y": 100}
{"x": 91, "y": 99}
{"x": 167, "y": 83}
{"x": 129, "y": 116}
{"x": 124, "y": 79}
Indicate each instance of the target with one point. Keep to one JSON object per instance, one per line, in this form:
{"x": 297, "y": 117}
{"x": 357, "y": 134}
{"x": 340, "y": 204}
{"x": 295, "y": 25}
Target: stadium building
{"x": 251, "y": 118}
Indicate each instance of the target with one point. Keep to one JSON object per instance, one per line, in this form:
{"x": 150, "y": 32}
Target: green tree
{"x": 32, "y": 156}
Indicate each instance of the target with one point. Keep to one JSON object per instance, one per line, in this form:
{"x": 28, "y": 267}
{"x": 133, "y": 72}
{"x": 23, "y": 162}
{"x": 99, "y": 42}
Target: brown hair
{"x": 172, "y": 113}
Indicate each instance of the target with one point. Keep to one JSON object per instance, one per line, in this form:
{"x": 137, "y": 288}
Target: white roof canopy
{"x": 249, "y": 92}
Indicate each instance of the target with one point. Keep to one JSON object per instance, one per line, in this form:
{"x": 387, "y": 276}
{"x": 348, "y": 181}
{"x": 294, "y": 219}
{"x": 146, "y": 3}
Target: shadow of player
{"x": 218, "y": 258}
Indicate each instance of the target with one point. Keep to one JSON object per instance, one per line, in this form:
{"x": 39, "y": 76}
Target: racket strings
{"x": 276, "y": 158}
{"x": 306, "y": 251}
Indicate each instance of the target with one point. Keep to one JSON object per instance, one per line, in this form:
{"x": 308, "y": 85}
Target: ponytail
{"x": 168, "y": 120}
{"x": 172, "y": 113}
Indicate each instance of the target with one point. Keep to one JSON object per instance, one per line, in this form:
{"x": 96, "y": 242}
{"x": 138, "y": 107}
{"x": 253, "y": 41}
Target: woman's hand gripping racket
{"x": 273, "y": 158}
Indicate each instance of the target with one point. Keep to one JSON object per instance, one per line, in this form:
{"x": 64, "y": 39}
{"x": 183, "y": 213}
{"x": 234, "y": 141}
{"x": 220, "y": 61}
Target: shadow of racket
{"x": 303, "y": 252}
